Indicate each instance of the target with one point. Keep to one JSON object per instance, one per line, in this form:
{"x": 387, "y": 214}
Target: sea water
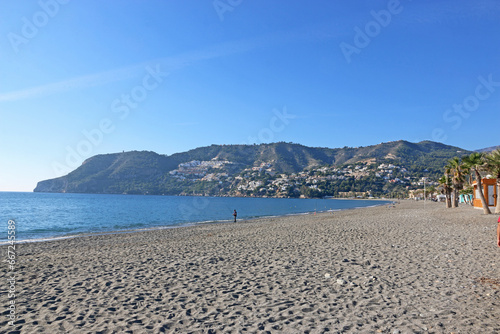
{"x": 41, "y": 216}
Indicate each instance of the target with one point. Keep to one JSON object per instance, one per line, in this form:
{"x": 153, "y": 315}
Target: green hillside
{"x": 258, "y": 170}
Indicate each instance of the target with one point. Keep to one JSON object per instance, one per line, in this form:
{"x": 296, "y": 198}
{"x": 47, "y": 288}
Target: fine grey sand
{"x": 408, "y": 269}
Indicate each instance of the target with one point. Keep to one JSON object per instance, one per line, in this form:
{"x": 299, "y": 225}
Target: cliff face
{"x": 52, "y": 186}
{"x": 151, "y": 173}
{"x": 110, "y": 173}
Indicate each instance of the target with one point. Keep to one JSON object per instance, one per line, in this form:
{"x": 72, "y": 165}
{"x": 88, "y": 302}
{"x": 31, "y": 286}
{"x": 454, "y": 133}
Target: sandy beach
{"x": 407, "y": 269}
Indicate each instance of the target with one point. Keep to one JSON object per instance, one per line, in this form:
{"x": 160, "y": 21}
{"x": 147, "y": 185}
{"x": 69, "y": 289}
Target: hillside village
{"x": 393, "y": 169}
{"x": 363, "y": 179}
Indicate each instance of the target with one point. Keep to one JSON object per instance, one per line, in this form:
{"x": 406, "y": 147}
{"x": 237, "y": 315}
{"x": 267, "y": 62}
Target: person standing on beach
{"x": 498, "y": 232}
{"x": 235, "y": 214}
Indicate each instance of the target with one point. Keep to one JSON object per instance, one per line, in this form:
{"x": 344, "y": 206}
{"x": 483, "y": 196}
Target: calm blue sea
{"x": 40, "y": 216}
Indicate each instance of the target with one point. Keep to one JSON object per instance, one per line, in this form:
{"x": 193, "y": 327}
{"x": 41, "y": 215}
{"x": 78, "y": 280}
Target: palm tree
{"x": 493, "y": 166}
{"x": 454, "y": 168}
{"x": 430, "y": 191}
{"x": 475, "y": 161}
{"x": 468, "y": 177}
{"x": 446, "y": 186}
{"x": 467, "y": 170}
{"x": 419, "y": 193}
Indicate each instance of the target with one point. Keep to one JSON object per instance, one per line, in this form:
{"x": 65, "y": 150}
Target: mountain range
{"x": 276, "y": 169}
{"x": 488, "y": 149}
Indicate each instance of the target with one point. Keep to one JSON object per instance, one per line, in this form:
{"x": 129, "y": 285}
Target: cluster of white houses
{"x": 198, "y": 170}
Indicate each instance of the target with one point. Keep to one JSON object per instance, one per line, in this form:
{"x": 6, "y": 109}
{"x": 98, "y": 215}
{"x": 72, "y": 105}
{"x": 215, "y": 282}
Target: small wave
{"x": 25, "y": 241}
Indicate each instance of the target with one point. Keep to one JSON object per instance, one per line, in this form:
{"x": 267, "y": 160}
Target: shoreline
{"x": 408, "y": 268}
{"x": 182, "y": 225}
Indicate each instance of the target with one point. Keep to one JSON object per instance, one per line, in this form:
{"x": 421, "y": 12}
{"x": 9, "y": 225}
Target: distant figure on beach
{"x": 235, "y": 214}
{"x": 498, "y": 232}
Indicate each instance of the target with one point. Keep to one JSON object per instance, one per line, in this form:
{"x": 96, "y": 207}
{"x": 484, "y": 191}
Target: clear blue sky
{"x": 80, "y": 78}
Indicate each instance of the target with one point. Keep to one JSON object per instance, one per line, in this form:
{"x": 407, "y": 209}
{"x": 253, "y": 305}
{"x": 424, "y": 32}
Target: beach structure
{"x": 468, "y": 199}
{"x": 441, "y": 198}
{"x": 490, "y": 193}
